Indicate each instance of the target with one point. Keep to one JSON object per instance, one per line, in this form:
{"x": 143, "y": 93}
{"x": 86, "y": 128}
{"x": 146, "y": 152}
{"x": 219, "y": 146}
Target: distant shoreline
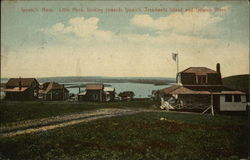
{"x": 144, "y": 80}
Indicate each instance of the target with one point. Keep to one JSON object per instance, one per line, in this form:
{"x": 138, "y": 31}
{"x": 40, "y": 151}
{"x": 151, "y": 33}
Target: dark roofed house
{"x": 21, "y": 89}
{"x": 95, "y": 92}
{"x": 201, "y": 87}
{"x": 52, "y": 91}
{"x": 199, "y": 76}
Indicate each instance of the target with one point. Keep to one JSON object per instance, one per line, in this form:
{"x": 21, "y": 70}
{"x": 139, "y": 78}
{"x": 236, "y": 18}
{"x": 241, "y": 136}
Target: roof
{"x": 198, "y": 70}
{"x": 109, "y": 89}
{"x": 48, "y": 86}
{"x": 25, "y": 82}
{"x": 94, "y": 86}
{"x": 177, "y": 89}
{"x": 168, "y": 90}
{"x": 82, "y": 94}
{"x": 16, "y": 89}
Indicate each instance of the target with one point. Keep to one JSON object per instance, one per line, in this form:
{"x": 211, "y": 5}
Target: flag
{"x": 174, "y": 56}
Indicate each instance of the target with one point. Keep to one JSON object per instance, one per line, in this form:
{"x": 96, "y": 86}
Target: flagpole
{"x": 177, "y": 63}
{"x": 175, "y": 57}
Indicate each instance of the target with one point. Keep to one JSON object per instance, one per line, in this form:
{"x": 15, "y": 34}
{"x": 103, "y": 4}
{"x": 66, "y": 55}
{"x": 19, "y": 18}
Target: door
{"x": 216, "y": 102}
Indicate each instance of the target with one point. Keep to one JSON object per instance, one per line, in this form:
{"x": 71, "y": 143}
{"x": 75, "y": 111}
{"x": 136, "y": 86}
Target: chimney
{"x": 218, "y": 67}
{"x": 20, "y": 84}
{"x": 218, "y": 71}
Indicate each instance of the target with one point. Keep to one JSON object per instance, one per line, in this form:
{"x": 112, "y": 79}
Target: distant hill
{"x": 99, "y": 79}
{"x": 238, "y": 82}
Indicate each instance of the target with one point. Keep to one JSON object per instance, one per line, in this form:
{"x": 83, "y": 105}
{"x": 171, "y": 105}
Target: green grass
{"x": 19, "y": 111}
{"x": 238, "y": 82}
{"x": 136, "y": 137}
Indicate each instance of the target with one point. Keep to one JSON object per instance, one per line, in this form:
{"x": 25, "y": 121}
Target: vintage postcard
{"x": 124, "y": 80}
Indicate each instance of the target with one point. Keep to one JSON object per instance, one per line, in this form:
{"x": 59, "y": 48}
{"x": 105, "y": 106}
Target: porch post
{"x": 212, "y": 106}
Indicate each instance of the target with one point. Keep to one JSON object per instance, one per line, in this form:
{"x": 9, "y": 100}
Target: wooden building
{"x": 94, "y": 92}
{"x": 52, "y": 91}
{"x": 21, "y": 89}
{"x": 201, "y": 87}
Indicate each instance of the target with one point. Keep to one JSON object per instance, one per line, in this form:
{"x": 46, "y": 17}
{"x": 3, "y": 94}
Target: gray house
{"x": 95, "y": 92}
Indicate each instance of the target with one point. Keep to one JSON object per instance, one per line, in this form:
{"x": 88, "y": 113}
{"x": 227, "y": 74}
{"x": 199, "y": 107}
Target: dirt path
{"x": 44, "y": 124}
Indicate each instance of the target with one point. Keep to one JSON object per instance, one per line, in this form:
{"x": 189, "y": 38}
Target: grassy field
{"x": 19, "y": 111}
{"x": 144, "y": 136}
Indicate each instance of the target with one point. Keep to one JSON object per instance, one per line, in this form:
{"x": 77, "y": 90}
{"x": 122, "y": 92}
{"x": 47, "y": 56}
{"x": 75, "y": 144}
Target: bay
{"x": 141, "y": 90}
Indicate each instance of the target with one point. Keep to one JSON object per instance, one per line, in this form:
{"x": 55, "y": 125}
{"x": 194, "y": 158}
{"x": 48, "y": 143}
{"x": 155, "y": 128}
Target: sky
{"x": 122, "y": 39}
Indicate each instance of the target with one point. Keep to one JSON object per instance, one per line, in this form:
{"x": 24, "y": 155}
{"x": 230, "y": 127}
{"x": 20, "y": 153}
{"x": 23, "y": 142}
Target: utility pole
{"x": 177, "y": 63}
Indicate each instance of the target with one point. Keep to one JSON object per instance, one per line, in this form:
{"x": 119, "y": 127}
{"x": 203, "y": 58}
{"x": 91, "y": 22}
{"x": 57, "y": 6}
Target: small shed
{"x": 126, "y": 95}
{"x": 109, "y": 94}
{"x": 82, "y": 96}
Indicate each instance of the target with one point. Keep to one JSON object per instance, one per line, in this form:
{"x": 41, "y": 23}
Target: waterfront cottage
{"x": 52, "y": 91}
{"x": 21, "y": 89}
{"x": 201, "y": 87}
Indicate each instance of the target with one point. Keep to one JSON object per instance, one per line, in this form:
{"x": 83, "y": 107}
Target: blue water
{"x": 141, "y": 90}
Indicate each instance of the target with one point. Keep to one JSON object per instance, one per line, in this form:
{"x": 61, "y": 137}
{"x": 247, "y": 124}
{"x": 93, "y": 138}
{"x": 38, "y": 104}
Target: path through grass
{"x": 20, "y": 111}
{"x": 144, "y": 136}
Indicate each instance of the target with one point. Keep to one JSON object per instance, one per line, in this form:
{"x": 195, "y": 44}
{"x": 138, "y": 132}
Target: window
{"x": 228, "y": 98}
{"x": 237, "y": 98}
{"x": 201, "y": 79}
{"x": 35, "y": 93}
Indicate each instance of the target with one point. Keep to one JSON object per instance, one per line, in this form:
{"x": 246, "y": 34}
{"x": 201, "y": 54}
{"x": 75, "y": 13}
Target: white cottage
{"x": 235, "y": 102}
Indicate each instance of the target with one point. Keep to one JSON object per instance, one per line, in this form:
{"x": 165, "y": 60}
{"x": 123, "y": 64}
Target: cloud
{"x": 170, "y": 39}
{"x": 179, "y": 22}
{"x": 130, "y": 54}
{"x": 80, "y": 27}
{"x": 87, "y": 29}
